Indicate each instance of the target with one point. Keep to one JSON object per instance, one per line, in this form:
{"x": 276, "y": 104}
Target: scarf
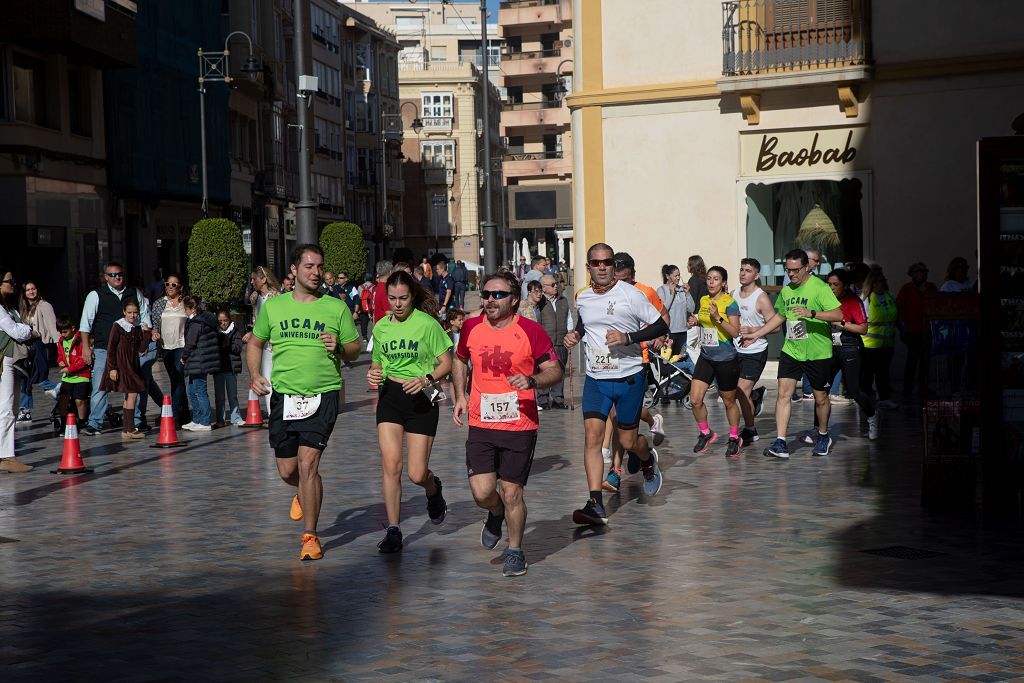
{"x": 601, "y": 290}
{"x": 231, "y": 328}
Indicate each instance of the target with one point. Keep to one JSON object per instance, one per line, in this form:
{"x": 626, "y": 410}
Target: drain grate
{"x": 903, "y": 552}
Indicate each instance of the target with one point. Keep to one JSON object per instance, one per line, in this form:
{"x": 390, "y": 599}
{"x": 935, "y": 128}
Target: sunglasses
{"x": 11, "y": 282}
{"x": 598, "y": 262}
{"x": 115, "y": 274}
{"x": 795, "y": 270}
{"x": 489, "y": 294}
{"x": 171, "y": 284}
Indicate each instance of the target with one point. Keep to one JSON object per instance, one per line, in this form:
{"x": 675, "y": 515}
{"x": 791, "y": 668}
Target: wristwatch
{"x": 532, "y": 382}
{"x": 814, "y": 314}
{"x": 430, "y": 378}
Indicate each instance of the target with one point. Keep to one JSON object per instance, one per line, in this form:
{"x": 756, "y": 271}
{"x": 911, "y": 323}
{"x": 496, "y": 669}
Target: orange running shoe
{"x": 311, "y": 549}
{"x": 296, "y": 511}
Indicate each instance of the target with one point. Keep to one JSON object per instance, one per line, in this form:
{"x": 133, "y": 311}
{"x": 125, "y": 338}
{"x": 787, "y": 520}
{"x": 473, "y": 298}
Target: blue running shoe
{"x": 652, "y": 475}
{"x": 778, "y": 449}
{"x": 612, "y": 481}
{"x": 591, "y": 514}
{"x": 515, "y": 563}
{"x": 632, "y": 462}
{"x": 823, "y": 445}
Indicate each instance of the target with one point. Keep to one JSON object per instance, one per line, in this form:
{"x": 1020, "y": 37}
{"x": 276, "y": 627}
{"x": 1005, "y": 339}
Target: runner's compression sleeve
{"x": 658, "y": 329}
{"x": 579, "y": 325}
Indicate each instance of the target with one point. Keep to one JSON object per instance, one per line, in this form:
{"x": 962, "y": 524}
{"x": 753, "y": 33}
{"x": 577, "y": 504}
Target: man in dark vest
{"x": 103, "y": 307}
{"x": 557, "y": 321}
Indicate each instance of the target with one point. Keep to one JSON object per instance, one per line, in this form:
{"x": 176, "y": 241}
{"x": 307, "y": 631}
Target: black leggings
{"x": 847, "y": 359}
{"x": 876, "y": 371}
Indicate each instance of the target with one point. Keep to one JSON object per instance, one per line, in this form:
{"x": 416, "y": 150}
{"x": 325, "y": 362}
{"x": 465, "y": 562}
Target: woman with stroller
{"x": 679, "y": 303}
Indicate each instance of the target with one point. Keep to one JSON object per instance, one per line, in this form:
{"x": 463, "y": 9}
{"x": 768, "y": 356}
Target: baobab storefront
{"x": 808, "y": 188}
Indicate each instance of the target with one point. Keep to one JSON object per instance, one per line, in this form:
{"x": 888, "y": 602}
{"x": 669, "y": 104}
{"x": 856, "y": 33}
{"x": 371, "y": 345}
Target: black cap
{"x": 624, "y": 260}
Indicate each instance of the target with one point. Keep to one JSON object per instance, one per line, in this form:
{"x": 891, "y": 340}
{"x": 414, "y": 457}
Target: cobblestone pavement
{"x": 173, "y": 564}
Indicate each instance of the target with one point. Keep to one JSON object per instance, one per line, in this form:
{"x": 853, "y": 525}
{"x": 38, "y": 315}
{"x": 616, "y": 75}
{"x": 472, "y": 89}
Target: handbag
{"x": 24, "y": 363}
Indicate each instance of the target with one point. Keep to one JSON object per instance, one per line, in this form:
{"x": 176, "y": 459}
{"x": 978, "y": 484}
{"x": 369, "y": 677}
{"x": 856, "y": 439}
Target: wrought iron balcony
{"x": 778, "y": 36}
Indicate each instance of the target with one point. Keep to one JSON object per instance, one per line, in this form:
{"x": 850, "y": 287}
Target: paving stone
{"x": 182, "y": 563}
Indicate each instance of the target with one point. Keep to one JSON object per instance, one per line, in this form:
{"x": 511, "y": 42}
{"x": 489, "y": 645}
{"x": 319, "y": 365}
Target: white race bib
{"x": 299, "y": 407}
{"x": 600, "y": 358}
{"x": 796, "y": 329}
{"x": 499, "y": 407}
{"x": 837, "y": 339}
{"x": 708, "y": 337}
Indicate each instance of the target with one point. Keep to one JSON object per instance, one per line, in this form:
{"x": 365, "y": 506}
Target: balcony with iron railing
{"x": 530, "y": 164}
{"x": 533, "y": 62}
{"x": 525, "y": 13}
{"x": 542, "y": 113}
{"x": 781, "y": 37}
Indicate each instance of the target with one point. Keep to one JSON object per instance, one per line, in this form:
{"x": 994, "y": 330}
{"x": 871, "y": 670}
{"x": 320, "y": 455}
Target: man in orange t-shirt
{"x": 511, "y": 358}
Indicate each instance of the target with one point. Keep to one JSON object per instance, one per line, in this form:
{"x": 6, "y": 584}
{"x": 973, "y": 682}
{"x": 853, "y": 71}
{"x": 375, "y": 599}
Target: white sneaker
{"x": 606, "y": 455}
{"x": 188, "y": 426}
{"x": 239, "y": 422}
{"x": 658, "y": 429}
{"x": 53, "y": 393}
{"x": 873, "y": 427}
{"x": 837, "y": 400}
{"x": 193, "y": 427}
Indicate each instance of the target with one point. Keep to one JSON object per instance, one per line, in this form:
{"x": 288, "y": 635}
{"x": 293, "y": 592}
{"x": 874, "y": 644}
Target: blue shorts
{"x": 626, "y": 395}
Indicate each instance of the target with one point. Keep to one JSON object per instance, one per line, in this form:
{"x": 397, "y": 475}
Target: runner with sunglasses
{"x": 807, "y": 307}
{"x": 410, "y": 349}
{"x": 511, "y": 358}
{"x": 614, "y": 317}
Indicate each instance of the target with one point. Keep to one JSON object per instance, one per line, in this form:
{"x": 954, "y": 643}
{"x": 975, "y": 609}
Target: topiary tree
{"x": 343, "y": 247}
{"x": 218, "y": 266}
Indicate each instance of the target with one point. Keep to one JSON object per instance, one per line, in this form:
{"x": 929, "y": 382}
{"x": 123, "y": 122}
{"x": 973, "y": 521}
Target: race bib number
{"x": 600, "y": 358}
{"x": 708, "y": 337}
{"x": 499, "y": 407}
{"x": 299, "y": 407}
{"x": 796, "y": 330}
{"x": 837, "y": 339}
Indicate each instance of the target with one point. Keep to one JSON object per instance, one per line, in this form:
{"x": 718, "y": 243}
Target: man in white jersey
{"x": 610, "y": 315}
{"x": 755, "y": 310}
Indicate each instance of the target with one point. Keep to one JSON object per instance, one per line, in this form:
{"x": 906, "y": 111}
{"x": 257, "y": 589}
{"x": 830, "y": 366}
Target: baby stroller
{"x": 667, "y": 380}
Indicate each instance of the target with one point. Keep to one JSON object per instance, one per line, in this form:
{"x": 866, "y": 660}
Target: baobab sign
{"x": 800, "y": 151}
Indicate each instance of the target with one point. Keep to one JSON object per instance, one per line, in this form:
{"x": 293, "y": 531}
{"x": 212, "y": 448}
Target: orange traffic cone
{"x": 71, "y": 459}
{"x": 253, "y": 417}
{"x": 168, "y": 437}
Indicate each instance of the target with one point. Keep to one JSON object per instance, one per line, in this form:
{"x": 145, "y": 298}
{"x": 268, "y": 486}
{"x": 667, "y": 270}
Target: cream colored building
{"x": 537, "y": 68}
{"x": 717, "y": 128}
{"x": 440, "y": 83}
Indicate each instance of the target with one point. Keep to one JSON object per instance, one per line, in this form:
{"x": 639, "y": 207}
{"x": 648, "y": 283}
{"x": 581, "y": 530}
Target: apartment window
{"x": 438, "y": 154}
{"x": 330, "y": 79}
{"x": 437, "y": 104}
{"x": 30, "y": 84}
{"x": 439, "y": 53}
{"x": 516, "y": 144}
{"x": 493, "y": 55}
{"x": 412, "y": 51}
{"x": 80, "y": 101}
{"x": 350, "y": 162}
{"x": 407, "y": 20}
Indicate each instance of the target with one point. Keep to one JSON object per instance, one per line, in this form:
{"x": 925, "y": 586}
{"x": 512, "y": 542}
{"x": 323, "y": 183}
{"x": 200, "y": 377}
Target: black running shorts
{"x": 819, "y": 372}
{"x": 752, "y": 365}
{"x": 415, "y": 412}
{"x": 313, "y": 431}
{"x": 726, "y": 373}
{"x": 508, "y": 454}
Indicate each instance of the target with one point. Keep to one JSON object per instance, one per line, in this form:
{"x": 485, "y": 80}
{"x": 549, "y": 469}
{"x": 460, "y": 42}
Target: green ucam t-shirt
{"x": 409, "y": 348}
{"x": 301, "y": 363}
{"x": 807, "y": 338}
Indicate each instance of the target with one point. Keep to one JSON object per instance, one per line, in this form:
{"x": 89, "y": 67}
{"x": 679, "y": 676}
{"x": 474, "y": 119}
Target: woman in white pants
{"x": 12, "y": 330}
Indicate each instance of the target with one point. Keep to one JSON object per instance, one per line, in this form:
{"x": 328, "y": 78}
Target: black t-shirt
{"x": 698, "y": 287}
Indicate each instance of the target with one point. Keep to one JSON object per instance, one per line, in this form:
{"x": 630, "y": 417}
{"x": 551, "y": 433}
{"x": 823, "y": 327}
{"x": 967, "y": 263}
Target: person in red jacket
{"x": 76, "y": 374}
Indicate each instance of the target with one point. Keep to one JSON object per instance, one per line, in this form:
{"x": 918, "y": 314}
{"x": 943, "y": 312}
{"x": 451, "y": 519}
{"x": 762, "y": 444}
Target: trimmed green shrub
{"x": 344, "y": 251}
{"x": 218, "y": 266}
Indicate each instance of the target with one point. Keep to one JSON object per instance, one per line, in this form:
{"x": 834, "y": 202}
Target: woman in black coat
{"x": 200, "y": 357}
{"x": 224, "y": 382}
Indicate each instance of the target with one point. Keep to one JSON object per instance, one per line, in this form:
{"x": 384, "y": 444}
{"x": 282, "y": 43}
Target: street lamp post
{"x": 490, "y": 229}
{"x": 305, "y": 208}
{"x": 213, "y": 68}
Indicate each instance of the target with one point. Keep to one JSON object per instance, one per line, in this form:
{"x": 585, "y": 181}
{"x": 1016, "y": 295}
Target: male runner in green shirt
{"x": 311, "y": 334}
{"x": 806, "y": 306}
